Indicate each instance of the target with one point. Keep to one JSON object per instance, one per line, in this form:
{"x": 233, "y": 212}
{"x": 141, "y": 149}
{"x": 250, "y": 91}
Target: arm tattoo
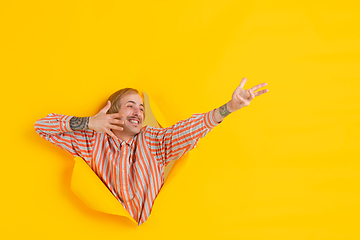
{"x": 79, "y": 123}
{"x": 224, "y": 111}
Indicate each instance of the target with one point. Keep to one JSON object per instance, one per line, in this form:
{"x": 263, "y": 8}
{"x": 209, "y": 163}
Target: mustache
{"x": 129, "y": 118}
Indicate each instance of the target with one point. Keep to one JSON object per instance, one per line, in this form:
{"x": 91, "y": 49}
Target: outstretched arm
{"x": 240, "y": 98}
{"x": 173, "y": 142}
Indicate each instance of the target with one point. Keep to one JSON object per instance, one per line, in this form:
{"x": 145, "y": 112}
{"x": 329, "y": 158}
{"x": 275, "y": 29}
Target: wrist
{"x": 229, "y": 106}
{"x": 79, "y": 123}
{"x": 224, "y": 111}
{"x": 90, "y": 122}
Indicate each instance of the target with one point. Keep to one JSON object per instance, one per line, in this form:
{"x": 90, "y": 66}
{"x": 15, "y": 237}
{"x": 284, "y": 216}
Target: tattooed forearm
{"x": 79, "y": 123}
{"x": 224, "y": 111}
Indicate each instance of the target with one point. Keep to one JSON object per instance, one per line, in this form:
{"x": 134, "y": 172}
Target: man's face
{"x": 132, "y": 106}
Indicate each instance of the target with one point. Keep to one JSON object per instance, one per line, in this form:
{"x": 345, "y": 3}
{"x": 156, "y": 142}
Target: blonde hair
{"x": 116, "y": 96}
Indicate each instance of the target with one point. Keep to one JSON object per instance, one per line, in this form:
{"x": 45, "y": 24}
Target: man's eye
{"x": 142, "y": 110}
{"x": 130, "y": 106}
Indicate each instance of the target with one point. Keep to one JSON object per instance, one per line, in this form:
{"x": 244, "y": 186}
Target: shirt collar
{"x": 129, "y": 142}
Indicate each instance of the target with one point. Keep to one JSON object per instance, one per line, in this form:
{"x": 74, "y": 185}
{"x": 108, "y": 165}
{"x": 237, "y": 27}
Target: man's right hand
{"x": 103, "y": 122}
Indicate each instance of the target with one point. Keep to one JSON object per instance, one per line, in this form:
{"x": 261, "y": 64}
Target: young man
{"x": 129, "y": 158}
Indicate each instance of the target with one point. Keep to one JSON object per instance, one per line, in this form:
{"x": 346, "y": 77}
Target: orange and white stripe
{"x": 133, "y": 170}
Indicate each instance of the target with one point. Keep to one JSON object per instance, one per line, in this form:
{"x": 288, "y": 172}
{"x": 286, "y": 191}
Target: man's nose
{"x": 136, "y": 111}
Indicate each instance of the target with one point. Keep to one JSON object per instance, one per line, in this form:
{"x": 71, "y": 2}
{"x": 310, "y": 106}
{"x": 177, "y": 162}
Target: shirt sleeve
{"x": 55, "y": 128}
{"x": 173, "y": 142}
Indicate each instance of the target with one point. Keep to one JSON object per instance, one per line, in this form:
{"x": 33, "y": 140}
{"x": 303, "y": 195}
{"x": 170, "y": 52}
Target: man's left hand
{"x": 241, "y": 98}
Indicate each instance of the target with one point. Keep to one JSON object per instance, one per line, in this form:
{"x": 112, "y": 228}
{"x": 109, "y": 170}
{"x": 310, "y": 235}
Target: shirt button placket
{"x": 123, "y": 153}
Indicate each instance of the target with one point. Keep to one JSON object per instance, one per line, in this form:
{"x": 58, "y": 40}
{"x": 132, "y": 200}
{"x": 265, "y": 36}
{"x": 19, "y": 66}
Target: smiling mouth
{"x": 134, "y": 121}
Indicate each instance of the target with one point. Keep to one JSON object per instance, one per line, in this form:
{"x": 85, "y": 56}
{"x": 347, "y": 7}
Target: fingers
{"x": 243, "y": 81}
{"x": 258, "y": 86}
{"x": 112, "y": 122}
{"x": 112, "y": 134}
{"x": 110, "y": 127}
{"x": 116, "y": 121}
{"x": 116, "y": 115}
{"x": 107, "y": 107}
{"x": 113, "y": 127}
{"x": 258, "y": 93}
{"x": 251, "y": 95}
{"x": 243, "y": 101}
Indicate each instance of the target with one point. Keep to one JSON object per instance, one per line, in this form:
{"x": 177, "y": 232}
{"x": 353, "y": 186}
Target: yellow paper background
{"x": 286, "y": 167}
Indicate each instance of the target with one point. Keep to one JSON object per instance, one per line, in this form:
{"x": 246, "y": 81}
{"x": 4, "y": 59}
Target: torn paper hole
{"x": 89, "y": 188}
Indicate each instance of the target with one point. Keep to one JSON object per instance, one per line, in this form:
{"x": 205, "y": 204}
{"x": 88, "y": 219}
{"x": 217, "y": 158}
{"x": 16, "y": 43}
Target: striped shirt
{"x": 133, "y": 170}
